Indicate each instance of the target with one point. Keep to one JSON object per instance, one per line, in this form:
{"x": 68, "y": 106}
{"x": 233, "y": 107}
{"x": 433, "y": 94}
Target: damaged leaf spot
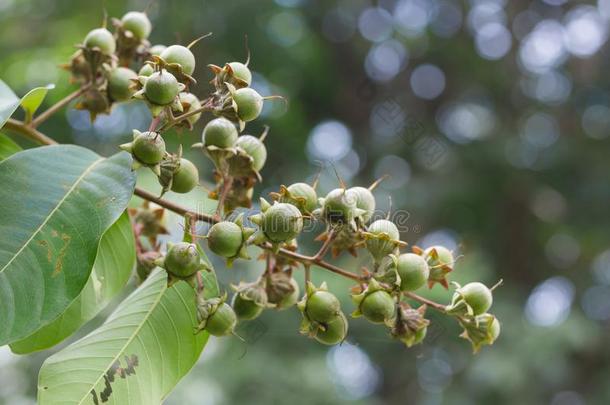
{"x": 62, "y": 252}
{"x": 131, "y": 362}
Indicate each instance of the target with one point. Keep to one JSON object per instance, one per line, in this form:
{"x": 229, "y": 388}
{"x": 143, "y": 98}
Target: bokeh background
{"x": 492, "y": 119}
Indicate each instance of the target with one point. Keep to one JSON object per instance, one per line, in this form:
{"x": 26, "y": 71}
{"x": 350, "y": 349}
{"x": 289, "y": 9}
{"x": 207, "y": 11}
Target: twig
{"x": 29, "y": 132}
{"x": 326, "y": 245}
{"x": 430, "y": 303}
{"x": 178, "y": 209}
{"x": 227, "y": 182}
{"x": 57, "y": 106}
{"x": 172, "y": 121}
{"x": 317, "y": 260}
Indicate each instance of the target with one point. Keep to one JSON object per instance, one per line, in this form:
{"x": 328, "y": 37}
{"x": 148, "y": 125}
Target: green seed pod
{"x": 376, "y": 304}
{"x": 339, "y": 206}
{"x": 248, "y": 103}
{"x": 472, "y": 299}
{"x": 219, "y": 133}
{"x": 378, "y": 307}
{"x": 444, "y": 256}
{"x": 440, "y": 260}
{"x": 413, "y": 271}
{"x": 101, "y": 39}
{"x": 290, "y": 299}
{"x": 225, "y": 239}
{"x": 161, "y": 88}
{"x": 146, "y": 70}
{"x": 332, "y": 332}
{"x": 120, "y": 83}
{"x": 186, "y": 177}
{"x": 190, "y": 102}
{"x": 241, "y": 72}
{"x": 151, "y": 218}
{"x": 147, "y": 147}
{"x": 481, "y": 330}
{"x": 410, "y": 326}
{"x": 301, "y": 195}
{"x": 222, "y": 321}
{"x": 181, "y": 55}
{"x": 182, "y": 260}
{"x": 249, "y": 300}
{"x": 138, "y": 23}
{"x": 364, "y": 201}
{"x": 319, "y": 305}
{"x": 382, "y": 238}
{"x": 246, "y": 309}
{"x": 282, "y": 290}
{"x": 255, "y": 148}
{"x": 156, "y": 50}
{"x": 278, "y": 223}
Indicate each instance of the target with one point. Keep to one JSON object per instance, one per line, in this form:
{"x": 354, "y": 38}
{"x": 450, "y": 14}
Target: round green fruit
{"x": 445, "y": 257}
{"x": 322, "y": 306}
{"x": 220, "y": 132}
{"x": 181, "y": 55}
{"x": 291, "y": 299}
{"x": 146, "y": 70}
{"x": 339, "y": 206}
{"x": 149, "y": 147}
{"x": 120, "y": 83}
{"x": 138, "y": 23}
{"x": 156, "y": 50}
{"x": 241, "y": 72}
{"x": 222, "y": 321}
{"x": 249, "y": 103}
{"x": 334, "y": 331}
{"x": 413, "y": 271}
{"x": 182, "y": 260}
{"x": 282, "y": 222}
{"x": 301, "y": 195}
{"x": 186, "y": 177}
{"x": 161, "y": 88}
{"x": 246, "y": 309}
{"x": 365, "y": 201}
{"x": 225, "y": 239}
{"x": 190, "y": 102}
{"x": 255, "y": 148}
{"x": 378, "y": 307}
{"x": 101, "y": 39}
{"x": 378, "y": 245}
{"x": 477, "y": 296}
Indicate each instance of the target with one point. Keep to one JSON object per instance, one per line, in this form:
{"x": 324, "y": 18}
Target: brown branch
{"x": 172, "y": 121}
{"x": 317, "y": 260}
{"x": 57, "y": 106}
{"x": 227, "y": 183}
{"x": 177, "y": 208}
{"x": 29, "y": 132}
{"x": 430, "y": 303}
{"x": 326, "y": 245}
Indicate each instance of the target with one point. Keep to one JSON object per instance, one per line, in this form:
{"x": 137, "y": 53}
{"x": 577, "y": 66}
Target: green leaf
{"x": 8, "y": 102}
{"x": 31, "y": 101}
{"x": 113, "y": 266}
{"x": 57, "y": 202}
{"x": 7, "y": 147}
{"x": 137, "y": 357}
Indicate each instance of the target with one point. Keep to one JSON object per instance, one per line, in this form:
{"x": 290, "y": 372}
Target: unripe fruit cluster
{"x": 164, "y": 81}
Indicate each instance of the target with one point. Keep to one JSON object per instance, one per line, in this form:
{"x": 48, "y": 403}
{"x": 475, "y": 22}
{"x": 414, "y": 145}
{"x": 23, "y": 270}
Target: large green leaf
{"x": 57, "y": 202}
{"x": 7, "y": 147}
{"x": 31, "y": 101}
{"x": 8, "y": 102}
{"x": 113, "y": 266}
{"x": 145, "y": 347}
